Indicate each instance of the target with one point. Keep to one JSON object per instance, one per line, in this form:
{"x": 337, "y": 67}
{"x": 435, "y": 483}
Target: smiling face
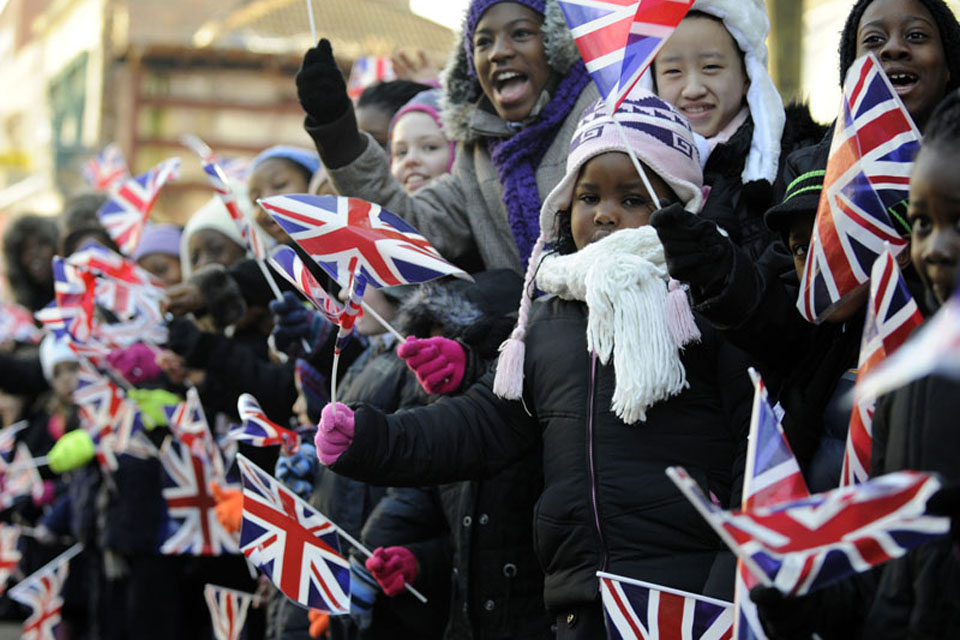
{"x": 609, "y": 195}
{"x": 906, "y": 40}
{"x": 700, "y": 72}
{"x": 510, "y": 59}
{"x": 418, "y": 150}
{"x": 935, "y": 218}
{"x": 273, "y": 177}
{"x": 209, "y": 246}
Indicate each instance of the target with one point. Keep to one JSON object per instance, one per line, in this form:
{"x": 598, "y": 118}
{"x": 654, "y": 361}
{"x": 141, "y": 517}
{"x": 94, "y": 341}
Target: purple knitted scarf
{"x": 517, "y": 158}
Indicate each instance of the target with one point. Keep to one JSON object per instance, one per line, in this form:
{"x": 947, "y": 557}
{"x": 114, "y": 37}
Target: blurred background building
{"x": 77, "y": 74}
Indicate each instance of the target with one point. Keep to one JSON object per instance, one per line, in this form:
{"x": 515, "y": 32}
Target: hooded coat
{"x": 462, "y": 213}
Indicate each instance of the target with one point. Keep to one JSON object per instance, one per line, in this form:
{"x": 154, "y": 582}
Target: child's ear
{"x": 903, "y": 260}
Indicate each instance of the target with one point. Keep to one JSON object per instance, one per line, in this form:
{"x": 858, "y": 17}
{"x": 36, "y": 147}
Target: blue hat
{"x": 307, "y": 159}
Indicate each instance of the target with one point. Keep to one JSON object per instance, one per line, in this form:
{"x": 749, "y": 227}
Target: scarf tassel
{"x": 508, "y": 383}
{"x": 680, "y": 317}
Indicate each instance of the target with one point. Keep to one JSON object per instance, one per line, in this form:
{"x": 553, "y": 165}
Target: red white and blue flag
{"x": 195, "y": 528}
{"x": 934, "y": 348}
{"x": 41, "y": 592}
{"x": 17, "y": 325}
{"x": 368, "y": 70}
{"x": 637, "y": 610}
{"x": 189, "y": 426}
{"x": 771, "y": 476}
{"x": 258, "y": 430}
{"x": 107, "y": 169}
{"x": 228, "y": 610}
{"x": 9, "y": 553}
{"x": 221, "y": 184}
{"x": 346, "y": 234}
{"x": 619, "y": 39}
{"x": 864, "y": 190}
{"x": 22, "y": 481}
{"x": 8, "y": 439}
{"x": 802, "y": 545}
{"x": 352, "y": 311}
{"x": 75, "y": 293}
{"x": 291, "y": 543}
{"x": 892, "y": 315}
{"x": 289, "y": 265}
{"x": 125, "y": 213}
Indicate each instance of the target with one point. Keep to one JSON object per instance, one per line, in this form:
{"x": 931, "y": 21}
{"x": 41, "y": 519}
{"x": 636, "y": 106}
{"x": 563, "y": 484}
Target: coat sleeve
{"x": 736, "y": 392}
{"x": 438, "y": 211}
{"x": 468, "y": 437}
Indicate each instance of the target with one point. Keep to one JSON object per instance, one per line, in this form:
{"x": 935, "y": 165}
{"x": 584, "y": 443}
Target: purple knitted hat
{"x": 476, "y": 10}
{"x": 159, "y": 238}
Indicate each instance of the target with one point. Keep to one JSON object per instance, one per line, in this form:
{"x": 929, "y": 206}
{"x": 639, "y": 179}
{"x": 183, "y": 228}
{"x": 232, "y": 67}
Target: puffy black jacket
{"x": 606, "y": 503}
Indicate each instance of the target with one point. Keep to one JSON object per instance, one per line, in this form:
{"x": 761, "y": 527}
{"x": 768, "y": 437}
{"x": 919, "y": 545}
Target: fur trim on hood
{"x": 462, "y": 94}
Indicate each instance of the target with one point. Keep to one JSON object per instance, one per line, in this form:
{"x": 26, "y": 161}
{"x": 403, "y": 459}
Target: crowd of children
{"x": 515, "y": 443}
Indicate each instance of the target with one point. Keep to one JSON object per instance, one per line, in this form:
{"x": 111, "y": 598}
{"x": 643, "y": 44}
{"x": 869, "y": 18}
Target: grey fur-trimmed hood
{"x": 461, "y": 90}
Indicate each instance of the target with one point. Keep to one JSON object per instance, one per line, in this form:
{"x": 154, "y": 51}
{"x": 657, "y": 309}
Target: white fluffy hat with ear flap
{"x": 748, "y": 23}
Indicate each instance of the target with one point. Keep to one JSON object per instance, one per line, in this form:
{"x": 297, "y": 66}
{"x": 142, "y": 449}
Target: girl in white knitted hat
{"x": 610, "y": 375}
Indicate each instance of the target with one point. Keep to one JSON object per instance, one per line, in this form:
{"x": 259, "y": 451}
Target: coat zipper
{"x": 593, "y": 475}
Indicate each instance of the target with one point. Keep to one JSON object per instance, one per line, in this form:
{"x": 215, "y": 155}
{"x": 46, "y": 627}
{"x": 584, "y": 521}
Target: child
{"x": 159, "y": 252}
{"x": 276, "y": 171}
{"x": 604, "y": 388}
{"x": 419, "y": 151}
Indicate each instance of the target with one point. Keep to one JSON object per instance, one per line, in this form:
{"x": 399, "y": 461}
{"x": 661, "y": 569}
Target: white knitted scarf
{"x": 623, "y": 280}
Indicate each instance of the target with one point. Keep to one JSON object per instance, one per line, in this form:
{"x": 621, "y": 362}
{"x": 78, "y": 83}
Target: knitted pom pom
{"x": 679, "y": 316}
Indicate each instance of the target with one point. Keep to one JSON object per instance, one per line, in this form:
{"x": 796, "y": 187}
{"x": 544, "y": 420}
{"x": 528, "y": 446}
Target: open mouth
{"x": 697, "y": 111}
{"x": 414, "y": 180}
{"x": 903, "y": 81}
{"x": 510, "y": 86}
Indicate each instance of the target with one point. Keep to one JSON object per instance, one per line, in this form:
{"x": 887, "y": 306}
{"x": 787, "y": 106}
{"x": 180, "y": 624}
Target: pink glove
{"x": 137, "y": 363}
{"x": 392, "y": 567}
{"x": 438, "y": 362}
{"x": 334, "y": 433}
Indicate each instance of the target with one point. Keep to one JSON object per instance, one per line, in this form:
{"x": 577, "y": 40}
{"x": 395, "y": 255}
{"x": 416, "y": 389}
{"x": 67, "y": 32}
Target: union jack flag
{"x": 9, "y": 554}
{"x": 122, "y": 286}
{"x": 637, "y": 610}
{"x": 369, "y": 70}
{"x": 892, "y": 315}
{"x": 21, "y": 479}
{"x": 126, "y": 212}
{"x": 189, "y": 426}
{"x": 802, "y": 545}
{"x": 107, "y": 169}
{"x": 344, "y": 234}
{"x": 289, "y": 265}
{"x": 293, "y": 544}
{"x": 8, "y": 439}
{"x": 352, "y": 311}
{"x": 16, "y": 325}
{"x": 105, "y": 413}
{"x": 228, "y": 611}
{"x": 771, "y": 476}
{"x": 934, "y": 348}
{"x": 259, "y": 430}
{"x": 75, "y": 293}
{"x": 221, "y": 184}
{"x": 196, "y": 530}
{"x": 41, "y": 592}
{"x": 867, "y": 180}
{"x": 618, "y": 39}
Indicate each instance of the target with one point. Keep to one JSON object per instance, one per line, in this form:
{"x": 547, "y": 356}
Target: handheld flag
{"x": 289, "y": 265}
{"x": 41, "y": 592}
{"x": 291, "y": 543}
{"x": 259, "y": 430}
{"x": 344, "y": 234}
{"x": 352, "y": 311}
{"x": 196, "y": 529}
{"x": 892, "y": 315}
{"x": 934, "y": 348}
{"x": 126, "y": 212}
{"x": 9, "y": 554}
{"x": 803, "y": 545}
{"x": 21, "y": 480}
{"x": 865, "y": 189}
{"x": 107, "y": 169}
{"x": 771, "y": 476}
{"x": 619, "y": 39}
{"x": 75, "y": 293}
{"x": 228, "y": 610}
{"x": 16, "y": 325}
{"x": 189, "y": 426}
{"x": 636, "y": 610}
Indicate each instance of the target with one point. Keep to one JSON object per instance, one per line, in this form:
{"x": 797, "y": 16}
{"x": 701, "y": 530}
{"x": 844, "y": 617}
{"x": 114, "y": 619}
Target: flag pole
{"x": 365, "y": 551}
{"x": 636, "y": 162}
{"x": 313, "y": 25}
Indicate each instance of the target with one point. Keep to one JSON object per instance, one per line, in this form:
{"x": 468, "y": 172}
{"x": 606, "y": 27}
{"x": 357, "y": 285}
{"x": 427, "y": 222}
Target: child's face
{"x": 935, "y": 217}
{"x": 906, "y": 40}
{"x": 209, "y": 246}
{"x": 609, "y": 196}
{"x": 418, "y": 150}
{"x": 65, "y": 380}
{"x": 700, "y": 72}
{"x": 163, "y": 266}
{"x": 274, "y": 177}
{"x": 510, "y": 59}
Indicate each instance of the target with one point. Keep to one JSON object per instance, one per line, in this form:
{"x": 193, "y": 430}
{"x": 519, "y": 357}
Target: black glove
{"x": 696, "y": 252}
{"x": 320, "y": 85}
{"x": 293, "y": 323}
{"x": 184, "y": 336}
{"x": 784, "y": 618}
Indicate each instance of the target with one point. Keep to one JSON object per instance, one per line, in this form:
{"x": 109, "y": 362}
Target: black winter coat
{"x": 607, "y": 503}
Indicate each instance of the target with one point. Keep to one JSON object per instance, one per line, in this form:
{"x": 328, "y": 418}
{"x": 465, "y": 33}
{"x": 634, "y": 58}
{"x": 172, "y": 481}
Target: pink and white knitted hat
{"x": 662, "y": 140}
